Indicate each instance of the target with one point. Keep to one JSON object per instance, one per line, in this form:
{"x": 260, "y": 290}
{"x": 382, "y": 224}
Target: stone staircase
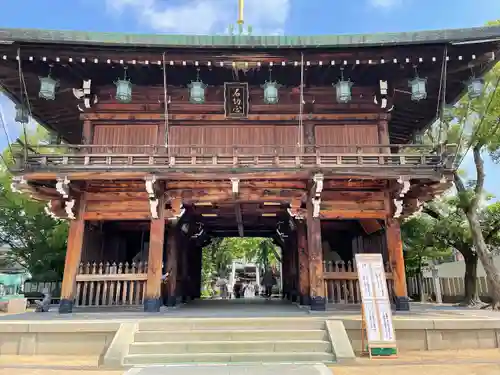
{"x": 242, "y": 340}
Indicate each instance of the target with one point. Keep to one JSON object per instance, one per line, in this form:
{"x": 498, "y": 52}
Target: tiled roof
{"x": 223, "y": 41}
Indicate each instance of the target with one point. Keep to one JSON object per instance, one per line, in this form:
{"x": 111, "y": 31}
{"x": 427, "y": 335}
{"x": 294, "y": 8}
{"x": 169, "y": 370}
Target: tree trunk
{"x": 471, "y": 297}
{"x": 486, "y": 257}
{"x": 470, "y": 209}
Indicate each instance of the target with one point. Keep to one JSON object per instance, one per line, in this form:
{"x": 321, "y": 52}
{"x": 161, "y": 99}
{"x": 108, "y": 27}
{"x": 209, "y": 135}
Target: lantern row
{"x": 238, "y": 64}
{"x": 196, "y": 90}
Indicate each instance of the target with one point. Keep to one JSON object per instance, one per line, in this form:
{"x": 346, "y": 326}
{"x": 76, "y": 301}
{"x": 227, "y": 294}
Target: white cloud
{"x": 205, "y": 16}
{"x": 385, "y": 4}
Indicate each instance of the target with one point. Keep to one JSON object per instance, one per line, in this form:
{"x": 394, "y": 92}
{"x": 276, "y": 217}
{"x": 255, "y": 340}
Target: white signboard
{"x": 375, "y": 300}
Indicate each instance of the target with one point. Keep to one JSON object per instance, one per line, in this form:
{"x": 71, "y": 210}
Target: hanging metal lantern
{"x": 22, "y": 115}
{"x": 123, "y": 90}
{"x": 448, "y": 113}
{"x": 197, "y": 92}
{"x": 418, "y": 88}
{"x": 54, "y": 139}
{"x": 418, "y": 138}
{"x": 475, "y": 87}
{"x": 271, "y": 95}
{"x": 343, "y": 91}
{"x": 48, "y": 87}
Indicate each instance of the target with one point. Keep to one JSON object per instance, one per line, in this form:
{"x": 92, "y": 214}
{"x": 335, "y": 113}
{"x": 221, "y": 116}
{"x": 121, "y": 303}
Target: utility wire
{"x": 442, "y": 93}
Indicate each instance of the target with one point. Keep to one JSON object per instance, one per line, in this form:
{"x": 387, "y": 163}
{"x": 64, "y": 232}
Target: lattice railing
{"x": 111, "y": 284}
{"x": 253, "y": 156}
{"x": 341, "y": 282}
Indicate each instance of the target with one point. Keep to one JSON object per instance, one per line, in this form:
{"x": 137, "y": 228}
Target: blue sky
{"x": 266, "y": 17}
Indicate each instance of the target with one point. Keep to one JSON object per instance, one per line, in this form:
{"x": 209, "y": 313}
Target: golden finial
{"x": 240, "y": 12}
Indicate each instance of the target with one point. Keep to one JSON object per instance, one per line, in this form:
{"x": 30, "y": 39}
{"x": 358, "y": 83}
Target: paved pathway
{"x": 444, "y": 362}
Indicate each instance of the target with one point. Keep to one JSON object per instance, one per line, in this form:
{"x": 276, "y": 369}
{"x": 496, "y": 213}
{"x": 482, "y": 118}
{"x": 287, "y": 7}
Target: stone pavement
{"x": 443, "y": 362}
{"x": 234, "y": 369}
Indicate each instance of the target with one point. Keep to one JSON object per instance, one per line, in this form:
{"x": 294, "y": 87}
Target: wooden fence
{"x": 111, "y": 284}
{"x": 341, "y": 282}
{"x": 452, "y": 288}
{"x": 123, "y": 284}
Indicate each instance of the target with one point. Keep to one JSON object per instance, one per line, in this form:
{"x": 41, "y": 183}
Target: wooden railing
{"x": 71, "y": 157}
{"x": 111, "y": 284}
{"x": 341, "y": 282}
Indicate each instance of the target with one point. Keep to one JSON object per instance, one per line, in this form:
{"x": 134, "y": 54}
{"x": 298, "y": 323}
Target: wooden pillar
{"x": 87, "y": 134}
{"x": 285, "y": 273}
{"x": 314, "y": 245}
{"x": 72, "y": 261}
{"x": 395, "y": 252}
{"x": 197, "y": 271}
{"x": 293, "y": 266}
{"x": 185, "y": 268}
{"x": 303, "y": 266}
{"x": 152, "y": 298}
{"x": 172, "y": 263}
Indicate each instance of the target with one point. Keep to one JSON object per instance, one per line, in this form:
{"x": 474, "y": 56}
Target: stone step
{"x": 230, "y": 335}
{"x": 157, "y": 359}
{"x": 231, "y": 324}
{"x": 194, "y": 347}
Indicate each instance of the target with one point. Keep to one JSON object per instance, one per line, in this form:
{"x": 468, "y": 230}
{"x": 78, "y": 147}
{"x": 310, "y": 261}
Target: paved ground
{"x": 445, "y": 362}
{"x": 240, "y": 308}
{"x": 249, "y": 308}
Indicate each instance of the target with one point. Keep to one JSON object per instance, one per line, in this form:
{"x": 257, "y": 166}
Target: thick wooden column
{"x": 285, "y": 264}
{"x": 152, "y": 298}
{"x": 317, "y": 294}
{"x": 197, "y": 271}
{"x": 293, "y": 266}
{"x": 73, "y": 256}
{"x": 185, "y": 268}
{"x": 303, "y": 266}
{"x": 172, "y": 265}
{"x": 395, "y": 252}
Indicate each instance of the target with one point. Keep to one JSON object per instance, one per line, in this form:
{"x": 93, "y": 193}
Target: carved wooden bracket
{"x": 405, "y": 184}
{"x": 398, "y": 203}
{"x": 150, "y": 186}
{"x": 149, "y": 182}
{"x": 62, "y": 186}
{"x": 295, "y": 211}
{"x": 317, "y": 189}
{"x": 153, "y": 207}
{"x": 177, "y": 210}
{"x": 18, "y": 184}
{"x": 69, "y": 207}
{"x": 48, "y": 210}
{"x": 235, "y": 185}
{"x": 280, "y": 230}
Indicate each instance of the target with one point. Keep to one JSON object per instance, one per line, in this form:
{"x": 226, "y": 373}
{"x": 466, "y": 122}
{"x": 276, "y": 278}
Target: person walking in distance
{"x": 269, "y": 281}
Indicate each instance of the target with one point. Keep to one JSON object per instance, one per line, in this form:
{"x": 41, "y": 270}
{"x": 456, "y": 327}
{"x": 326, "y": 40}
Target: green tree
{"x": 475, "y": 128}
{"x": 483, "y": 117}
{"x": 420, "y": 245}
{"x": 219, "y": 254}
{"x": 37, "y": 242}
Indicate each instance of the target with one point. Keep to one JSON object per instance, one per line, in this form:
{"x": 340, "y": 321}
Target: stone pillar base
{"x": 65, "y": 306}
{"x": 402, "y": 304}
{"x": 304, "y": 300}
{"x": 152, "y": 304}
{"x": 318, "y": 304}
{"x": 171, "y": 301}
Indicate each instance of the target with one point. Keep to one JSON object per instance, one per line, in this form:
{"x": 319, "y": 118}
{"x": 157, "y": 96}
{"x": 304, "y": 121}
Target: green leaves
{"x": 221, "y": 252}
{"x": 37, "y": 241}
